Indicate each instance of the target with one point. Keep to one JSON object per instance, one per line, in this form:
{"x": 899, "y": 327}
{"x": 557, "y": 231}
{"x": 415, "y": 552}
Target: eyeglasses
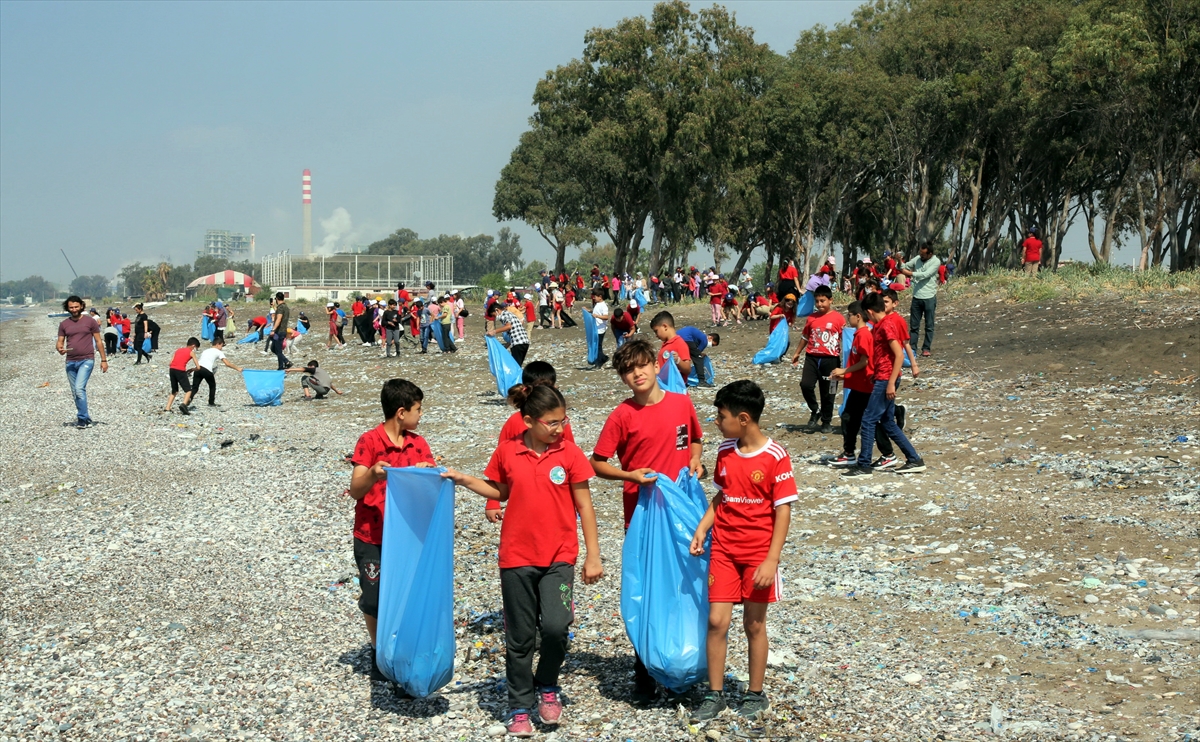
{"x": 555, "y": 424}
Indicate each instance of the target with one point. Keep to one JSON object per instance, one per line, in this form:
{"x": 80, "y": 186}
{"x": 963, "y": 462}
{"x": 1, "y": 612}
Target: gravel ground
{"x": 192, "y": 578}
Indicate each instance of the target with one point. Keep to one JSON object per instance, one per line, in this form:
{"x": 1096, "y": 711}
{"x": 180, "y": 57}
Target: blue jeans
{"x": 277, "y": 348}
{"x": 919, "y": 308}
{"x": 880, "y": 408}
{"x": 78, "y": 373}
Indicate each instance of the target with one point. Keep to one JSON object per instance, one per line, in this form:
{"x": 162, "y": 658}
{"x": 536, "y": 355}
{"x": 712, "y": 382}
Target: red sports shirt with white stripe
{"x": 752, "y": 485}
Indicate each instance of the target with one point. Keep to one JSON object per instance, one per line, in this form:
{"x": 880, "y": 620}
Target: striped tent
{"x": 226, "y": 278}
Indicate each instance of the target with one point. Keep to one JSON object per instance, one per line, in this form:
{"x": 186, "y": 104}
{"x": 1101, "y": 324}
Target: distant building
{"x": 221, "y": 243}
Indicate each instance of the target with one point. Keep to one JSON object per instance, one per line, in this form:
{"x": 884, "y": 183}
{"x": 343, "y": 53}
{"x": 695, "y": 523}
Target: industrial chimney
{"x": 251, "y": 248}
{"x": 306, "y": 192}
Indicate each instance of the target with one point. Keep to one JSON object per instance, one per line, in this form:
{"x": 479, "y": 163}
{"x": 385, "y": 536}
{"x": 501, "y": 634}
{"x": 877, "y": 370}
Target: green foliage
{"x": 34, "y": 286}
{"x": 493, "y": 281}
{"x": 1076, "y": 282}
{"x": 473, "y": 256}
{"x": 95, "y": 287}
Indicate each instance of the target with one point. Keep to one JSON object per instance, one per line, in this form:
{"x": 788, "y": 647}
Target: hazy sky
{"x": 127, "y": 130}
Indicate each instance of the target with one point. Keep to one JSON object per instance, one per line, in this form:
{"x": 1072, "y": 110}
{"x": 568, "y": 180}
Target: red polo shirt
{"x": 539, "y": 527}
{"x": 374, "y": 446}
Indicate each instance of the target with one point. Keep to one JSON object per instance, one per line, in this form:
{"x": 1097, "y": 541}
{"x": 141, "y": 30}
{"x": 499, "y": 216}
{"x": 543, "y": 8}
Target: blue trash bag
{"x": 300, "y": 328}
{"x": 593, "y": 337}
{"x": 253, "y": 337}
{"x": 693, "y": 379}
{"x": 640, "y": 297}
{"x": 847, "y": 341}
{"x": 502, "y": 366}
{"x": 415, "y": 634}
{"x": 146, "y": 346}
{"x": 265, "y": 387}
{"x": 669, "y": 377}
{"x": 207, "y": 328}
{"x": 777, "y": 344}
{"x": 806, "y": 305}
{"x": 664, "y": 589}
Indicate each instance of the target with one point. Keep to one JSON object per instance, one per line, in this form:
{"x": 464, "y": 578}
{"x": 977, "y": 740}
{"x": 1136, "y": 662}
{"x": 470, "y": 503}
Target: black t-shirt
{"x": 390, "y": 319}
{"x": 139, "y": 324}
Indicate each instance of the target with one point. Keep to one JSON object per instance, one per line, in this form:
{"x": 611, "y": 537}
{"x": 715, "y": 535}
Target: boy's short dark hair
{"x": 278, "y": 296}
{"x": 663, "y": 318}
{"x": 314, "y": 363}
{"x": 714, "y": 340}
{"x": 193, "y": 342}
{"x": 218, "y": 341}
{"x": 855, "y": 308}
{"x": 872, "y": 302}
{"x": 823, "y": 290}
{"x": 891, "y": 294}
{"x": 618, "y": 313}
{"x": 598, "y": 292}
{"x": 636, "y": 352}
{"x": 741, "y": 396}
{"x": 539, "y": 372}
{"x": 399, "y": 394}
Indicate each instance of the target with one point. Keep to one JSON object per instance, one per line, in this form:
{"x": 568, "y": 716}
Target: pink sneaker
{"x": 519, "y": 725}
{"x": 549, "y": 707}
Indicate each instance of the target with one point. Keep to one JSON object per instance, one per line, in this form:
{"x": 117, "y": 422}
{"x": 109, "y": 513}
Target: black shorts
{"x": 366, "y": 556}
{"x": 180, "y": 380}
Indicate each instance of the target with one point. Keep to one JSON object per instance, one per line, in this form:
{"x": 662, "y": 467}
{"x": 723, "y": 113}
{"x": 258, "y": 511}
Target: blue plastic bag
{"x": 847, "y": 341}
{"x": 806, "y": 305}
{"x": 146, "y": 346}
{"x": 593, "y": 337}
{"x": 502, "y": 366}
{"x": 301, "y": 329}
{"x": 415, "y": 632}
{"x": 207, "y": 328}
{"x": 265, "y": 387}
{"x": 640, "y": 297}
{"x": 693, "y": 379}
{"x": 669, "y": 377}
{"x": 664, "y": 589}
{"x": 252, "y": 337}
{"x": 777, "y": 344}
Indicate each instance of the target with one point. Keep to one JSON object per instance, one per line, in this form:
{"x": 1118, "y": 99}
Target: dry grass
{"x": 1076, "y": 281}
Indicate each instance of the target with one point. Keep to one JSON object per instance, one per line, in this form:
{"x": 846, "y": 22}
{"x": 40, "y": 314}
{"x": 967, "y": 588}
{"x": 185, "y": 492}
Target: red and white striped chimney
{"x": 306, "y": 195}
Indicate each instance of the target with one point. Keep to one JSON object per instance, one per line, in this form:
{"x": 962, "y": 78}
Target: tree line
{"x": 961, "y": 124}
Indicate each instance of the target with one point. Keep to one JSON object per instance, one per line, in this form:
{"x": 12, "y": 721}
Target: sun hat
{"x": 528, "y": 296}
{"x": 789, "y": 296}
{"x": 329, "y": 305}
{"x": 867, "y": 259}
{"x": 491, "y": 293}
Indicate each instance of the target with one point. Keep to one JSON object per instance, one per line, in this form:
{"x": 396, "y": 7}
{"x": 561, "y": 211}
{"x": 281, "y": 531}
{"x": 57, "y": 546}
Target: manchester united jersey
{"x": 752, "y": 485}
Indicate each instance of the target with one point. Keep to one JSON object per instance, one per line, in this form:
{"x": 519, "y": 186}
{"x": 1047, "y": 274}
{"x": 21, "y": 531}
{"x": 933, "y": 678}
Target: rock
{"x": 912, "y": 678}
{"x": 1089, "y": 598}
{"x": 712, "y": 734}
{"x": 1157, "y": 610}
{"x": 497, "y": 730}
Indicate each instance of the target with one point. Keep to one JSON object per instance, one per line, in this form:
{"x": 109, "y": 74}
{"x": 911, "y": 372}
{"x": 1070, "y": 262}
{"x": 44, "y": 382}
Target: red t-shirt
{"x": 891, "y": 327}
{"x": 539, "y": 528}
{"x": 752, "y": 486}
{"x": 514, "y": 430}
{"x": 675, "y": 345}
{"x": 779, "y": 313}
{"x": 824, "y": 334}
{"x": 862, "y": 346}
{"x": 889, "y": 267}
{"x": 530, "y": 311}
{"x": 179, "y": 360}
{"x": 1033, "y": 249}
{"x": 374, "y": 446}
{"x": 717, "y": 291}
{"x": 658, "y": 436}
{"x": 259, "y": 321}
{"x": 789, "y": 273}
{"x": 625, "y": 323}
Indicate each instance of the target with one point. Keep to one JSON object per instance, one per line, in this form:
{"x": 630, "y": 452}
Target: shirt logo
{"x": 558, "y": 475}
{"x": 756, "y": 476}
{"x": 681, "y": 437}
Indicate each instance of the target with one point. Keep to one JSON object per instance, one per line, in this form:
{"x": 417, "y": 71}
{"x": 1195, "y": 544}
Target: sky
{"x": 128, "y": 129}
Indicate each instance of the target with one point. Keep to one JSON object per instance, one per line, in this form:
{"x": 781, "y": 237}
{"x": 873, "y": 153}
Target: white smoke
{"x": 339, "y": 231}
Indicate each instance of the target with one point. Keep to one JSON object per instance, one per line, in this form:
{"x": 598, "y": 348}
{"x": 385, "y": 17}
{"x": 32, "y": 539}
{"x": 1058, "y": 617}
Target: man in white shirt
{"x": 543, "y": 305}
{"x": 601, "y": 315}
{"x": 206, "y": 371}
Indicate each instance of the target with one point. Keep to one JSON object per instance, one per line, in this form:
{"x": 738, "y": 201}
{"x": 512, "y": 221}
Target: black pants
{"x": 138, "y": 342}
{"x": 603, "y": 359}
{"x": 154, "y": 340}
{"x": 277, "y": 349}
{"x": 697, "y": 361}
{"x": 340, "y": 336}
{"x": 446, "y": 339}
{"x": 219, "y": 334}
{"x": 110, "y": 344}
{"x": 816, "y": 374}
{"x": 852, "y": 416}
{"x": 518, "y": 353}
{"x": 203, "y": 374}
{"x": 534, "y": 595}
{"x": 566, "y": 319}
{"x": 544, "y": 316}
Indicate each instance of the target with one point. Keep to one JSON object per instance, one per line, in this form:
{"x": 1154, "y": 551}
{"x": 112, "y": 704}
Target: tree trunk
{"x": 656, "y": 249}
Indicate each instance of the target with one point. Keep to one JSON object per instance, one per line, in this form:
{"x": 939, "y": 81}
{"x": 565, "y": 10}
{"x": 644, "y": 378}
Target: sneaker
{"x": 519, "y": 725}
{"x": 858, "y": 471}
{"x": 885, "y": 462}
{"x": 549, "y": 706}
{"x": 373, "y": 670}
{"x": 825, "y": 428}
{"x": 911, "y": 467}
{"x": 814, "y": 420}
{"x": 711, "y": 707}
{"x": 901, "y": 413}
{"x": 645, "y": 691}
{"x": 925, "y": 354}
{"x": 81, "y": 424}
{"x": 844, "y": 461}
{"x": 214, "y": 404}
{"x": 753, "y": 704}
{"x": 183, "y": 409}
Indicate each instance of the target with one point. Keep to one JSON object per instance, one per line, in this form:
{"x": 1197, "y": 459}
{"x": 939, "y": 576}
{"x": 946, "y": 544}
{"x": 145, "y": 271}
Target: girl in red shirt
{"x": 544, "y": 479}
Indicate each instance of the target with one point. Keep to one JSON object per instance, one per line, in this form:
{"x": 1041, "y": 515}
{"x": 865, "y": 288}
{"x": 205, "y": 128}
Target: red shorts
{"x": 730, "y": 581}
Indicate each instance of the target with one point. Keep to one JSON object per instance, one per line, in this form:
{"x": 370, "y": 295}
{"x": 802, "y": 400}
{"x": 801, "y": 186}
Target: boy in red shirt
{"x": 652, "y": 431}
{"x": 1033, "y": 252}
{"x": 784, "y": 310}
{"x": 822, "y": 354}
{"x": 889, "y": 335}
{"x": 179, "y": 375}
{"x": 663, "y": 326}
{"x": 530, "y": 314}
{"x": 857, "y": 378}
{"x": 393, "y": 442}
{"x": 749, "y": 519}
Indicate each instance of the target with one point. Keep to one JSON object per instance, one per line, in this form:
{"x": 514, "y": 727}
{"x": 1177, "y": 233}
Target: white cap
{"x": 831, "y": 260}
{"x": 329, "y": 305}
{"x": 867, "y": 259}
{"x": 528, "y": 296}
{"x": 491, "y": 293}
{"x": 537, "y": 287}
